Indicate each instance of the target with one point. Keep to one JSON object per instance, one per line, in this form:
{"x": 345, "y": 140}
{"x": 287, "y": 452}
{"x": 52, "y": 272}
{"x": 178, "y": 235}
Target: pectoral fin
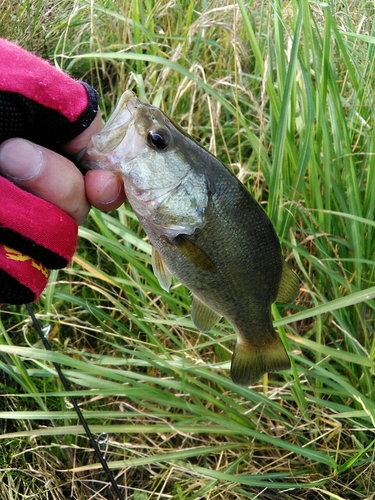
{"x": 288, "y": 286}
{"x": 204, "y": 318}
{"x": 160, "y": 270}
{"x": 191, "y": 252}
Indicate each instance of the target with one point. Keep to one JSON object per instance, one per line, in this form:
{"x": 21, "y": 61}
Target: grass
{"x": 283, "y": 94}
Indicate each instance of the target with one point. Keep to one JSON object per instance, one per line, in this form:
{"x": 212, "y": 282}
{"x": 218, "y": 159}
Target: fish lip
{"x": 100, "y": 152}
{"x": 124, "y": 103}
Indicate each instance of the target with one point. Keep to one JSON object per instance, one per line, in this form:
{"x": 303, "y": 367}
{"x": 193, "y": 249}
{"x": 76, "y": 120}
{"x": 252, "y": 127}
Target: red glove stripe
{"x": 22, "y": 278}
{"x": 43, "y": 231}
{"x": 40, "y": 82}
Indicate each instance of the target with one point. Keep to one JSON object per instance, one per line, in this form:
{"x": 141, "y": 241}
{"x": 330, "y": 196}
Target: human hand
{"x": 44, "y": 116}
{"x": 56, "y": 179}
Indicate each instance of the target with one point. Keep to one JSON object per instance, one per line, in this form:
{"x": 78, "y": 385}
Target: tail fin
{"x": 251, "y": 361}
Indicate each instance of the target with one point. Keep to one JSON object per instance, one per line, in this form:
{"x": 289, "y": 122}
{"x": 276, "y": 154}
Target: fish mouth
{"x": 100, "y": 153}
{"x": 127, "y": 104}
{"x": 114, "y": 131}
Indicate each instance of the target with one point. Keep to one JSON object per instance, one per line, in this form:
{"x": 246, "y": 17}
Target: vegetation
{"x": 282, "y": 93}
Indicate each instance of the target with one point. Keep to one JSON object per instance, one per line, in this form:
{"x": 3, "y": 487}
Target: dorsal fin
{"x": 288, "y": 286}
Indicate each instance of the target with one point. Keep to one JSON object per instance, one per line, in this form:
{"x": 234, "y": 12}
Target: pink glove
{"x": 44, "y": 105}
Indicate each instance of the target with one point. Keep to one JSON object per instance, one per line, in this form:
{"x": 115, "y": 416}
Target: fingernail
{"x": 20, "y": 159}
{"x": 109, "y": 191}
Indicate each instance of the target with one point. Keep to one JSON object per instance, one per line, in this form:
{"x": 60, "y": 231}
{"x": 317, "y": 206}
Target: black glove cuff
{"x": 23, "y": 117}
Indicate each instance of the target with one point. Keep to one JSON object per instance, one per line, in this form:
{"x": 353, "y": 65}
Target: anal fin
{"x": 204, "y": 318}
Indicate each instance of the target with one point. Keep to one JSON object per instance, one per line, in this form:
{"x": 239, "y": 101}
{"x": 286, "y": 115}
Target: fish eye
{"x": 158, "y": 139}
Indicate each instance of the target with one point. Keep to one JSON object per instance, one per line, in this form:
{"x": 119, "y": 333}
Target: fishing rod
{"x": 81, "y": 418}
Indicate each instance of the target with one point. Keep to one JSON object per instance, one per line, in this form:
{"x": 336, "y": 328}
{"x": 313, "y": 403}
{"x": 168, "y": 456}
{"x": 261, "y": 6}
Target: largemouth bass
{"x": 205, "y": 227}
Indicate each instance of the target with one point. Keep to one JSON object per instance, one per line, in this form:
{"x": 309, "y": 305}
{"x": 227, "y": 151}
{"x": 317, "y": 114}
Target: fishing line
{"x": 81, "y": 418}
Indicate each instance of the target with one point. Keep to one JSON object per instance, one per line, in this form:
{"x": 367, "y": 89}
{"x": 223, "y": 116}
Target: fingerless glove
{"x": 44, "y": 105}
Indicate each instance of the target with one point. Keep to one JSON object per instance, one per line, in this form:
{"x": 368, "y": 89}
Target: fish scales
{"x": 206, "y": 229}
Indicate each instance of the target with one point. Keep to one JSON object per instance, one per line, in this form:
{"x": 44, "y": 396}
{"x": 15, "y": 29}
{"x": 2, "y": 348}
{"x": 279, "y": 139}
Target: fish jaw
{"x": 117, "y": 140}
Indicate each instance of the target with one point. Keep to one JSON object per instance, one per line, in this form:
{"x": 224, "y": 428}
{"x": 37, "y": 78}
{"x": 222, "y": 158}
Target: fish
{"x": 206, "y": 229}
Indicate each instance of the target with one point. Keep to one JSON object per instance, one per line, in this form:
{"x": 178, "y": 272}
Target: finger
{"x": 45, "y": 174}
{"x": 80, "y": 142}
{"x": 104, "y": 189}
